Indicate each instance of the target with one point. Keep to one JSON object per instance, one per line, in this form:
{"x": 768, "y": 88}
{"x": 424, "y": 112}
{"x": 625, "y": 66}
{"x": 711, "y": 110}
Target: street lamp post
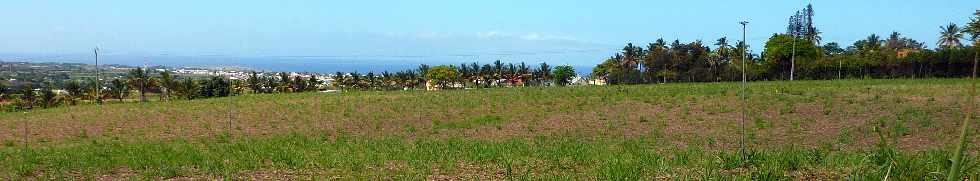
{"x": 742, "y": 120}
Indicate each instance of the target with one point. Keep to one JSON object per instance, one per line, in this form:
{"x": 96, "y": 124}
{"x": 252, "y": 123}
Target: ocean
{"x": 276, "y": 64}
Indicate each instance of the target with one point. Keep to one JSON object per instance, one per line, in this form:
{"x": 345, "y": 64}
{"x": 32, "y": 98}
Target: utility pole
{"x": 840, "y": 63}
{"x": 98, "y": 77}
{"x": 745, "y": 45}
{"x": 792, "y": 60}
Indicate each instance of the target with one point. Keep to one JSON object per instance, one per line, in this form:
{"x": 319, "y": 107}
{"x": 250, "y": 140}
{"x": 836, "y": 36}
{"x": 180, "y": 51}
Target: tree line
{"x": 796, "y": 54}
{"x": 166, "y": 86}
{"x": 465, "y": 75}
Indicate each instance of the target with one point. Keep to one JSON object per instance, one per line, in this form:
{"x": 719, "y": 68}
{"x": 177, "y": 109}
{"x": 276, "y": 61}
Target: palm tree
{"x": 75, "y": 91}
{"x": 299, "y": 84}
{"x": 815, "y": 36}
{"x": 118, "y": 89}
{"x": 28, "y": 97}
{"x": 657, "y": 54}
{"x": 950, "y": 36}
{"x": 544, "y": 72}
{"x": 720, "y": 56}
{"x": 355, "y": 80}
{"x": 284, "y": 82}
{"x": 973, "y": 28}
{"x": 48, "y": 97}
{"x": 140, "y": 79}
{"x": 486, "y": 73}
{"x": 254, "y": 82}
{"x": 338, "y": 80}
{"x": 371, "y": 80}
{"x": 312, "y": 83}
{"x": 872, "y": 43}
{"x": 631, "y": 57}
{"x": 475, "y": 75}
{"x": 167, "y": 85}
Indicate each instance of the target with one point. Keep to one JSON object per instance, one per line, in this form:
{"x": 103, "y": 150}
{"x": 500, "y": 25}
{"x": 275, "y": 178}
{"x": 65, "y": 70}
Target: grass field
{"x": 803, "y": 130}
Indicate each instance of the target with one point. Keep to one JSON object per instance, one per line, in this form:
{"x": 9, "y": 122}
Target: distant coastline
{"x": 324, "y": 66}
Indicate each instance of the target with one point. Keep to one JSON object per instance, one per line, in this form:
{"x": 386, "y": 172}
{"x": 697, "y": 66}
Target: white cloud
{"x": 494, "y": 34}
{"x": 541, "y": 37}
{"x": 488, "y": 34}
{"x": 532, "y": 36}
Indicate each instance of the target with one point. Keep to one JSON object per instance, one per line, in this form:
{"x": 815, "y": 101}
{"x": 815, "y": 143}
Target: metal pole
{"x": 98, "y": 78}
{"x": 792, "y": 60}
{"x": 840, "y": 63}
{"x": 742, "y": 96}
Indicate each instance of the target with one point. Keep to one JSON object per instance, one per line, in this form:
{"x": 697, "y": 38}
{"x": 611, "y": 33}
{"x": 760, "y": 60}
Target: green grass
{"x": 835, "y": 130}
{"x": 396, "y": 158}
{"x": 472, "y": 122}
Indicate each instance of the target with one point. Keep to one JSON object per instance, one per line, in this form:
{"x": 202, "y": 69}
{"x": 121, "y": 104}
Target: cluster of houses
{"x": 326, "y": 79}
{"x": 578, "y": 80}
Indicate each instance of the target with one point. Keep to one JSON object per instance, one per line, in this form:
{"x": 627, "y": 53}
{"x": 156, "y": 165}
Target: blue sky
{"x": 557, "y": 31}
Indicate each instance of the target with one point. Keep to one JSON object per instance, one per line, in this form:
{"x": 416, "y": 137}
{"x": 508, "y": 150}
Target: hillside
{"x": 797, "y": 130}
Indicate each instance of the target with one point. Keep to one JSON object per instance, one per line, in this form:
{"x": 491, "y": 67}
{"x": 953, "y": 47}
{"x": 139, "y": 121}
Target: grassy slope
{"x": 802, "y": 130}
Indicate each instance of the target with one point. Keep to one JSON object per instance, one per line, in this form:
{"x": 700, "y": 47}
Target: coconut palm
{"x": 140, "y": 79}
{"x": 28, "y": 97}
{"x": 313, "y": 84}
{"x": 284, "y": 82}
{"x": 973, "y": 28}
{"x": 74, "y": 90}
{"x": 815, "y": 36}
{"x": 950, "y": 36}
{"x": 355, "y": 81}
{"x": 299, "y": 84}
{"x": 167, "y": 85}
{"x": 338, "y": 80}
{"x": 48, "y": 98}
{"x": 544, "y": 72}
{"x": 631, "y": 56}
{"x": 118, "y": 89}
{"x": 254, "y": 82}
{"x": 870, "y": 44}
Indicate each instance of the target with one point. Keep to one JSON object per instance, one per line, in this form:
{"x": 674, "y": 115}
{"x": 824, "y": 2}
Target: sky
{"x": 574, "y": 32}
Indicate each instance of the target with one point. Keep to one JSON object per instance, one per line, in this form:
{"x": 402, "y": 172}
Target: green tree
{"x": 118, "y": 89}
{"x": 563, "y": 74}
{"x": 950, "y": 36}
{"x": 189, "y": 89}
{"x": 831, "y": 49}
{"x": 299, "y": 84}
{"x": 778, "y": 54}
{"x": 607, "y": 70}
{"x": 75, "y": 91}
{"x": 140, "y": 79}
{"x": 216, "y": 86}
{"x": 3, "y": 91}
{"x": 657, "y": 60}
{"x": 167, "y": 85}
{"x": 254, "y": 82}
{"x": 442, "y": 75}
{"x": 48, "y": 98}
{"x": 338, "y": 80}
{"x": 973, "y": 28}
{"x": 544, "y": 72}
{"x": 284, "y": 82}
{"x": 355, "y": 81}
{"x": 28, "y": 97}
{"x": 312, "y": 84}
